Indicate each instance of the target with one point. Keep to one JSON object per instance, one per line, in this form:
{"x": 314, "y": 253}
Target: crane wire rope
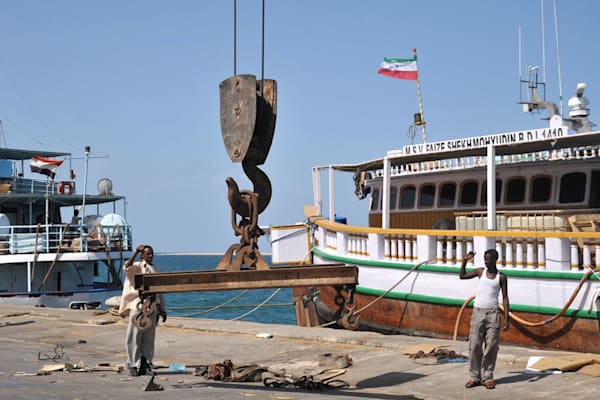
{"x": 262, "y": 33}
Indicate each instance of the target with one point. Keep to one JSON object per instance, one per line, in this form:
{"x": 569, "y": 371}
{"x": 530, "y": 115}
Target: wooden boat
{"x": 48, "y": 257}
{"x": 431, "y": 203}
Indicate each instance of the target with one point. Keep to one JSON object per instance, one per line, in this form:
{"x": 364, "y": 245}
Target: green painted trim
{"x": 522, "y": 273}
{"x": 399, "y": 60}
{"x": 420, "y": 298}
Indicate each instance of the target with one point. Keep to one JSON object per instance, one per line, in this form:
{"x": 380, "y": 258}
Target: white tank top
{"x": 487, "y": 291}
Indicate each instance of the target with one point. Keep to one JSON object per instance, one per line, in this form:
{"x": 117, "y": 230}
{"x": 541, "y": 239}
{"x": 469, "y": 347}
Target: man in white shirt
{"x": 485, "y": 320}
{"x": 140, "y": 344}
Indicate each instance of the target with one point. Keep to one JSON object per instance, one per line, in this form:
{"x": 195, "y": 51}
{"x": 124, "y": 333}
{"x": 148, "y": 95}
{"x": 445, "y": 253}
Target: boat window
{"x": 515, "y": 190}
{"x": 393, "y": 197}
{"x": 375, "y": 200}
{"x": 484, "y": 192}
{"x": 447, "y": 194}
{"x": 541, "y": 188}
{"x": 427, "y": 195}
{"x": 595, "y": 190}
{"x": 572, "y": 187}
{"x": 468, "y": 193}
{"x": 407, "y": 197}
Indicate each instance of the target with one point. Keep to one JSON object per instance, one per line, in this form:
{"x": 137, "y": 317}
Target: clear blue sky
{"x": 139, "y": 81}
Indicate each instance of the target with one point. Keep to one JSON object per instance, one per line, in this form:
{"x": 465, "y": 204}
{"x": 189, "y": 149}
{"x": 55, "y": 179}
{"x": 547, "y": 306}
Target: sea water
{"x": 225, "y": 304}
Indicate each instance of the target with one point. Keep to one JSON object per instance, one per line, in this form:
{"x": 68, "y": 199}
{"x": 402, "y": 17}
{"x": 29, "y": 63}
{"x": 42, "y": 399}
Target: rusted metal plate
{"x": 238, "y": 114}
{"x": 266, "y": 115}
{"x": 190, "y": 281}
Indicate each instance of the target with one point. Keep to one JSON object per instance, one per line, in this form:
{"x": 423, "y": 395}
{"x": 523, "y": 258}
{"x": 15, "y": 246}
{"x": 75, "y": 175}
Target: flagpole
{"x": 87, "y": 159}
{"x": 422, "y": 120}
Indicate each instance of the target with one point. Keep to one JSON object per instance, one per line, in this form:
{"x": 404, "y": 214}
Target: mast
{"x": 560, "y": 92}
{"x": 2, "y": 137}
{"x": 421, "y": 118}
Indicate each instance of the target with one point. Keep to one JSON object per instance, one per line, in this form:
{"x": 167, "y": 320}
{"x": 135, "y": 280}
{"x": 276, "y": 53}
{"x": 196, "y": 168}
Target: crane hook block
{"x": 248, "y": 110}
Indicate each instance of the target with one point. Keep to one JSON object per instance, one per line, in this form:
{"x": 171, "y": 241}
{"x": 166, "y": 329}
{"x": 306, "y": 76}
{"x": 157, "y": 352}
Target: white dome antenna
{"x": 105, "y": 187}
{"x": 579, "y": 111}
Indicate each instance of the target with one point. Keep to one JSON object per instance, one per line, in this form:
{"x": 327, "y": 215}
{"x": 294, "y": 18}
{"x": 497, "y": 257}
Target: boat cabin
{"x": 546, "y": 176}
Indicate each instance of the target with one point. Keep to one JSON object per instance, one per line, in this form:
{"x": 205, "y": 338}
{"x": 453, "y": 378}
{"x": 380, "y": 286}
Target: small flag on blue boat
{"x": 45, "y": 166}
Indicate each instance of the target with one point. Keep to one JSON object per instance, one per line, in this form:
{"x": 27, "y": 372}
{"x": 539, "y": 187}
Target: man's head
{"x": 490, "y": 257}
{"x": 147, "y": 254}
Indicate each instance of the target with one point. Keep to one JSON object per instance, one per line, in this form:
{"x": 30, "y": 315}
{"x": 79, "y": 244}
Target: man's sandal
{"x": 489, "y": 384}
{"x": 471, "y": 383}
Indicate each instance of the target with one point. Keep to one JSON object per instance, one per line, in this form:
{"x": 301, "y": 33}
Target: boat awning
{"x": 397, "y": 158}
{"x": 62, "y": 200}
{"x": 18, "y": 154}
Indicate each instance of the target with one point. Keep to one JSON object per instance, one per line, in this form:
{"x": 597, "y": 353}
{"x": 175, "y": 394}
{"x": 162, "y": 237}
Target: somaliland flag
{"x": 45, "y": 166}
{"x": 401, "y": 68}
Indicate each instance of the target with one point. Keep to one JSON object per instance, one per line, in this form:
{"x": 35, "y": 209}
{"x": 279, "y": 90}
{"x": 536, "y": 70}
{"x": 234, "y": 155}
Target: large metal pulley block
{"x": 248, "y": 110}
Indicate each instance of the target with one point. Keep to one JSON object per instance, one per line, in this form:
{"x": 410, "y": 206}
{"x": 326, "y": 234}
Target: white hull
{"x": 553, "y": 304}
{"x": 87, "y": 299}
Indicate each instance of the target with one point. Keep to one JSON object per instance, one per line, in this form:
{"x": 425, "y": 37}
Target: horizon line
{"x": 185, "y": 253}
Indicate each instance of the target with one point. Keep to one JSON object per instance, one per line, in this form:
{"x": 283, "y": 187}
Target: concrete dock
{"x": 33, "y": 338}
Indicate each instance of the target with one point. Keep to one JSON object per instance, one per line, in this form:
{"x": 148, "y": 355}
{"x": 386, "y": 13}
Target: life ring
{"x": 65, "y": 187}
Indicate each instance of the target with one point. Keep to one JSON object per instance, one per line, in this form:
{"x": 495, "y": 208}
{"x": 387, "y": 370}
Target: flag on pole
{"x": 400, "y": 68}
{"x": 45, "y": 166}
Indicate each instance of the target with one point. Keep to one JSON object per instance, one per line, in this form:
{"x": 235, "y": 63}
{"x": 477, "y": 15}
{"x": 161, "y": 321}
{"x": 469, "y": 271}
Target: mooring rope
{"x": 226, "y": 304}
{"x": 527, "y": 323}
{"x": 58, "y": 248}
{"x": 182, "y": 308}
{"x": 268, "y": 298}
{"x": 384, "y": 293}
{"x": 35, "y": 252}
{"x": 393, "y": 287}
{"x": 215, "y": 307}
{"x": 258, "y": 306}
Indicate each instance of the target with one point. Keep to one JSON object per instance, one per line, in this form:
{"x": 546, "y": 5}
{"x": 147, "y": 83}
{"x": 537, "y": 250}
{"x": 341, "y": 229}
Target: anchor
{"x": 248, "y": 110}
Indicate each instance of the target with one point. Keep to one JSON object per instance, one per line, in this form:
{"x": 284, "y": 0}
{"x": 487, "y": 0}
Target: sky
{"x": 138, "y": 82}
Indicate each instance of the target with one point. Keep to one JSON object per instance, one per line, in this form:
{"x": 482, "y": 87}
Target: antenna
{"x": 543, "y": 42}
{"x": 520, "y": 74}
{"x": 558, "y": 58}
{"x": 3, "y": 143}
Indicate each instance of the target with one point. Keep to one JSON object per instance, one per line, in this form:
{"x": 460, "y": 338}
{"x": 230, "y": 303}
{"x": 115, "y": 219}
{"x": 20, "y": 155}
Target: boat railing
{"x": 55, "y": 238}
{"x": 558, "y": 250}
{"x": 579, "y": 153}
{"x": 519, "y": 220}
{"x": 29, "y": 185}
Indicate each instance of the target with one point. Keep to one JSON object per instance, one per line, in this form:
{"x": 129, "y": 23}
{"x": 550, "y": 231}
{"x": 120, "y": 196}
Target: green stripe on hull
{"x": 421, "y": 298}
{"x": 454, "y": 270}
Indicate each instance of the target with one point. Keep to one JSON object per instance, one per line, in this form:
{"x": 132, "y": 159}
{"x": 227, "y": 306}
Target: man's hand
{"x": 505, "y": 327}
{"x": 469, "y": 256}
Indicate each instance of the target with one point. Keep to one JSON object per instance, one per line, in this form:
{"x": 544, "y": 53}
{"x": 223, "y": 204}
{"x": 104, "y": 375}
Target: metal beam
{"x": 190, "y": 281}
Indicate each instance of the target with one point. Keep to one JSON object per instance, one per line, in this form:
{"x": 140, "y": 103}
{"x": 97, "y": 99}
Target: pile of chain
{"x": 320, "y": 379}
{"x": 308, "y": 382}
{"x": 439, "y": 355}
{"x": 226, "y": 371}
